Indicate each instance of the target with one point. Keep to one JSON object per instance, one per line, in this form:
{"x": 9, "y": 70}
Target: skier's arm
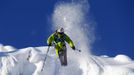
{"x": 70, "y": 42}
{"x": 50, "y": 39}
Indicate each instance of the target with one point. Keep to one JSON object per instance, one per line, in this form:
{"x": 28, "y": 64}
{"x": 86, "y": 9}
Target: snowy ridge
{"x": 15, "y": 63}
{"x": 70, "y": 16}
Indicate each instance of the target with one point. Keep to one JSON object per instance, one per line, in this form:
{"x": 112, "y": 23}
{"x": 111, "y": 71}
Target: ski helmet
{"x": 60, "y": 30}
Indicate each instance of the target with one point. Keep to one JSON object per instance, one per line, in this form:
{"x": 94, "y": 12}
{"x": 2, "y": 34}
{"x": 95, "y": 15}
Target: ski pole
{"x": 78, "y": 50}
{"x": 45, "y": 58}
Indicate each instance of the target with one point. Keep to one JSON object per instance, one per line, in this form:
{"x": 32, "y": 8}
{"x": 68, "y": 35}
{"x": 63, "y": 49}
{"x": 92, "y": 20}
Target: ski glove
{"x": 73, "y": 47}
{"x": 49, "y": 44}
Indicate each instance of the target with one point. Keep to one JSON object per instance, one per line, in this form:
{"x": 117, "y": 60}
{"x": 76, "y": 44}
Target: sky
{"x": 27, "y": 23}
{"x": 115, "y": 26}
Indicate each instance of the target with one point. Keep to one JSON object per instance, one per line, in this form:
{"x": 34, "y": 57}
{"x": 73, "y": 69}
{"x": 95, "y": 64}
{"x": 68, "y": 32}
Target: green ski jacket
{"x": 59, "y": 40}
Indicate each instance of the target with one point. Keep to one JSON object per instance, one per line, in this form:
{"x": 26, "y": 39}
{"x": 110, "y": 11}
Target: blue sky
{"x": 115, "y": 26}
{"x": 25, "y": 23}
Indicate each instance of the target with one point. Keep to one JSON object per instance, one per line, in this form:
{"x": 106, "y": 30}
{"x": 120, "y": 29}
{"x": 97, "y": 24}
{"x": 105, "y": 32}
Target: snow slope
{"x": 73, "y": 17}
{"x": 14, "y": 62}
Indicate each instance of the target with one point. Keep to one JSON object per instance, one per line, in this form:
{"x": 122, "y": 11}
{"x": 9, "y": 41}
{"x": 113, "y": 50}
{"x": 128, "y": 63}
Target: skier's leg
{"x": 61, "y": 57}
{"x": 59, "y": 54}
{"x": 65, "y": 58}
{"x": 56, "y": 50}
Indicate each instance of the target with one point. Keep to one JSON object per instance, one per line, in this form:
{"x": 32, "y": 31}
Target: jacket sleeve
{"x": 69, "y": 41}
{"x": 50, "y": 38}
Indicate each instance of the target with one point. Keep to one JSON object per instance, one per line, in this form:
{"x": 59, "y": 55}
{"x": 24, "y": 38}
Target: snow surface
{"x": 14, "y": 62}
{"x": 73, "y": 17}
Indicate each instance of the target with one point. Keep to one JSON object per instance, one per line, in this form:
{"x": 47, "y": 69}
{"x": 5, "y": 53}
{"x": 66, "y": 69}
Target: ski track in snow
{"x": 16, "y": 63}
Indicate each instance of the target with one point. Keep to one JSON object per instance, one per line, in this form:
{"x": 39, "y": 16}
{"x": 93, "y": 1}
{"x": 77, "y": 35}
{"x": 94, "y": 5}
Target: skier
{"x": 59, "y": 38}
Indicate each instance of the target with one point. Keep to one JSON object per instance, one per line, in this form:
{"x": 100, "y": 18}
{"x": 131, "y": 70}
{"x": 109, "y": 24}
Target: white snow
{"x": 15, "y": 63}
{"x": 71, "y": 16}
{"x": 123, "y": 58}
